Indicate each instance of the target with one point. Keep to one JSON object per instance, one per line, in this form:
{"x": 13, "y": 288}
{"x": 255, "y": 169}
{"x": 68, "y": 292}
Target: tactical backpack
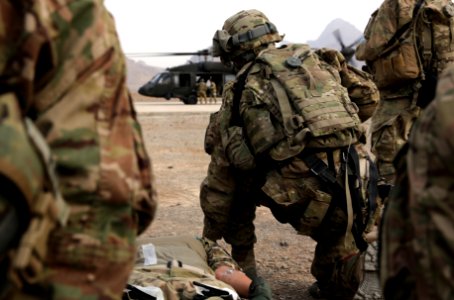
{"x": 315, "y": 108}
{"x": 407, "y": 41}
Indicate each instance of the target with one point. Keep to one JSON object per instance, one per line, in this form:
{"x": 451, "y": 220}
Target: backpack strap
{"x": 237, "y": 94}
{"x": 324, "y": 172}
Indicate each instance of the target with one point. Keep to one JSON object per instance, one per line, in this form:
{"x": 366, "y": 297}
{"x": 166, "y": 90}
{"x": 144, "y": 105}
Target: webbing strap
{"x": 253, "y": 34}
{"x": 49, "y": 167}
{"x": 348, "y": 198}
{"x": 426, "y": 40}
{"x": 319, "y": 168}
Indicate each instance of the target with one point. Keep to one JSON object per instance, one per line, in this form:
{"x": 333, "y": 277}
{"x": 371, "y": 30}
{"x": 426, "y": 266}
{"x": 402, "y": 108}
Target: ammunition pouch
{"x": 397, "y": 64}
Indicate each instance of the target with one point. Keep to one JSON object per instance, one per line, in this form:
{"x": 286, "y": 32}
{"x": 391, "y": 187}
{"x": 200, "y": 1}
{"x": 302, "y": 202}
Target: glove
{"x": 260, "y": 290}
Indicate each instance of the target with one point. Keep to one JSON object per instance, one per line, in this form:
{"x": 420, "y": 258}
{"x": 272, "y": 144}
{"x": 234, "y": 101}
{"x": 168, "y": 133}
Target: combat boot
{"x": 317, "y": 291}
{"x": 245, "y": 258}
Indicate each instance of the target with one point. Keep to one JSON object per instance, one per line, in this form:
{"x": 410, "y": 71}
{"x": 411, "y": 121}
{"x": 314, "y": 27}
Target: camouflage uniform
{"x": 213, "y": 92}
{"x": 417, "y": 260}
{"x": 62, "y": 67}
{"x": 202, "y": 92}
{"x": 429, "y": 44}
{"x": 243, "y": 171}
{"x": 407, "y": 44}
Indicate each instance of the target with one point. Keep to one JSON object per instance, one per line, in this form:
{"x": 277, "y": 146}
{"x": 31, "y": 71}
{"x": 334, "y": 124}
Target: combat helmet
{"x": 242, "y": 33}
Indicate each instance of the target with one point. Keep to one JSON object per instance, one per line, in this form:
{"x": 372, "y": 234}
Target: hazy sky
{"x": 189, "y": 25}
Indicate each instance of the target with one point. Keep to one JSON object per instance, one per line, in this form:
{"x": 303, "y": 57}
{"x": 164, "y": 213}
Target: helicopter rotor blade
{"x": 338, "y": 37}
{"x": 204, "y": 52}
{"x": 356, "y": 42}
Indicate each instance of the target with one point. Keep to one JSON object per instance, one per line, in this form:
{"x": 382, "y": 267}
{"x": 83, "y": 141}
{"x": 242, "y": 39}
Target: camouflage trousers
{"x": 337, "y": 264}
{"x": 229, "y": 207}
{"x": 390, "y": 128}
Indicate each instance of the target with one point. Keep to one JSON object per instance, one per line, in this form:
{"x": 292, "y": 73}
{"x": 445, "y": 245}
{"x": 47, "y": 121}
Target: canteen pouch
{"x": 399, "y": 63}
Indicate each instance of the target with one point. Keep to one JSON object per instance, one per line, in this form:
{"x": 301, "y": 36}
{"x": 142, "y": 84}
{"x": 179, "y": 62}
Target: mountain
{"x": 348, "y": 34}
{"x": 139, "y": 73}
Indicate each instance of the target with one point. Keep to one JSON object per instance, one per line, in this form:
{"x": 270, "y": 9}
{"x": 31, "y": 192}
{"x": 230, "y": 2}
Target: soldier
{"x": 196, "y": 267}
{"x": 202, "y": 92}
{"x": 407, "y": 44}
{"x": 285, "y": 137}
{"x": 213, "y": 92}
{"x": 416, "y": 260}
{"x": 75, "y": 175}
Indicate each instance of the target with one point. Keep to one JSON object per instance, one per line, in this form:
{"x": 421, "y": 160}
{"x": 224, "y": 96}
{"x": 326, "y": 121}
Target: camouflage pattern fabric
{"x": 62, "y": 62}
{"x": 194, "y": 259}
{"x": 416, "y": 260}
{"x": 390, "y": 129}
{"x": 213, "y": 92}
{"x": 430, "y": 35}
{"x": 244, "y": 176}
{"x": 202, "y": 92}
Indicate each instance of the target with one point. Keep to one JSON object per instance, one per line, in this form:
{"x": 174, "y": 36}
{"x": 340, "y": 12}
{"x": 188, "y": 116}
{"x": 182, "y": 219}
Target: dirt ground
{"x": 175, "y": 144}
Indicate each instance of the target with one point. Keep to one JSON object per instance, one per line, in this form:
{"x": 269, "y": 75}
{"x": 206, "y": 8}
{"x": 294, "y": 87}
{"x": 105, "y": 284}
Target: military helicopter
{"x": 180, "y": 81}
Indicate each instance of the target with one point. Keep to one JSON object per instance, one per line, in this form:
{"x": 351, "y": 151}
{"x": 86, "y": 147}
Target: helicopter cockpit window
{"x": 158, "y": 78}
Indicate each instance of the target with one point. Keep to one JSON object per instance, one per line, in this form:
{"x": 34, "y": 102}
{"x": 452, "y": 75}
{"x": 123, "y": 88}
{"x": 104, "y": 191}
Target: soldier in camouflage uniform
{"x": 174, "y": 265}
{"x": 202, "y": 92}
{"x": 255, "y": 161}
{"x": 407, "y": 44}
{"x": 76, "y": 178}
{"x": 416, "y": 261}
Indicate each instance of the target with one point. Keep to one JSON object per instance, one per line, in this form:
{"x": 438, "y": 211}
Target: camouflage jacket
{"x": 416, "y": 260}
{"x": 62, "y": 67}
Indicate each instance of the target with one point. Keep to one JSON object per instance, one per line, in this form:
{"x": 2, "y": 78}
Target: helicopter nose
{"x": 142, "y": 90}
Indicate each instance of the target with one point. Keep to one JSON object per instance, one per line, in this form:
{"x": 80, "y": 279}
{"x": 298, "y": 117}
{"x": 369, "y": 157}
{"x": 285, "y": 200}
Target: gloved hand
{"x": 260, "y": 290}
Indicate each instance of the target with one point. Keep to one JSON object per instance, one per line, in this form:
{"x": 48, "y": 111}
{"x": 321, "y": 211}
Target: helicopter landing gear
{"x": 192, "y": 99}
{"x": 168, "y": 96}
